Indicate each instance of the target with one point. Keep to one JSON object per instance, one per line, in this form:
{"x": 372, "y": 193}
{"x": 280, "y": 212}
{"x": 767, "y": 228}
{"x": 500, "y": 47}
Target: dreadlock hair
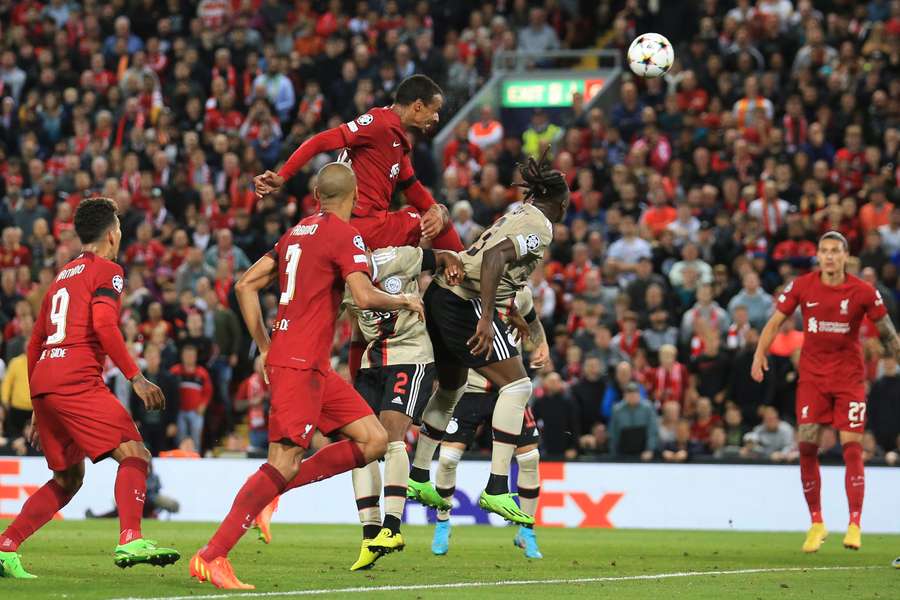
{"x": 541, "y": 181}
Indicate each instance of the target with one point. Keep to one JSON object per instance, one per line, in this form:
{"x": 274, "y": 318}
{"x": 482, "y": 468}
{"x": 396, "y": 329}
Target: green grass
{"x": 74, "y": 561}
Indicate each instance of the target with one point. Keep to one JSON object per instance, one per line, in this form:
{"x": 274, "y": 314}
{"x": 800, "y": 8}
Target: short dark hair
{"x": 93, "y": 218}
{"x": 417, "y": 87}
{"x": 836, "y": 235}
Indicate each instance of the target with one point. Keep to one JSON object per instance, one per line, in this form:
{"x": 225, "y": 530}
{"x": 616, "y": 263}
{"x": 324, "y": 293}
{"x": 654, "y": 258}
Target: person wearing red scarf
{"x": 670, "y": 378}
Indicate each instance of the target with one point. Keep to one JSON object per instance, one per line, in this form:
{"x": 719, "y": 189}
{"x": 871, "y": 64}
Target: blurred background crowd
{"x": 696, "y": 197}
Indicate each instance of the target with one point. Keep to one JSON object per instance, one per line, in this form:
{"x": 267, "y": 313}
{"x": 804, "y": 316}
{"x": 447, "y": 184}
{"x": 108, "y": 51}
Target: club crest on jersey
{"x": 365, "y": 119}
{"x": 118, "y": 283}
{"x": 845, "y": 306}
{"x": 392, "y": 285}
{"x": 358, "y": 242}
{"x": 533, "y": 242}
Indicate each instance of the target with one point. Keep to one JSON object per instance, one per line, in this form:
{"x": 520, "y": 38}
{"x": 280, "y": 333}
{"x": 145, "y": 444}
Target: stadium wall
{"x": 659, "y": 496}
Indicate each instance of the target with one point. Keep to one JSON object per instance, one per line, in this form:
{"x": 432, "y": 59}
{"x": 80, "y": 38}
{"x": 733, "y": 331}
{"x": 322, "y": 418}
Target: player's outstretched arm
{"x": 326, "y": 141}
{"x": 760, "y": 360}
{"x": 493, "y": 263}
{"x": 257, "y": 278}
{"x": 367, "y": 297}
{"x": 888, "y": 335}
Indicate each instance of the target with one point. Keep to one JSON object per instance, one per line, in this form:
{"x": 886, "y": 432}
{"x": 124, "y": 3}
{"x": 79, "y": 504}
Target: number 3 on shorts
{"x": 857, "y": 412}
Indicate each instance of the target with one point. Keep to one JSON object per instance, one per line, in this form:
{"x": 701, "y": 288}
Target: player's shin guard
{"x": 507, "y": 424}
{"x": 437, "y": 415}
{"x": 811, "y": 479}
{"x": 529, "y": 481}
{"x": 131, "y": 492}
{"x": 854, "y": 479}
{"x": 445, "y": 480}
{"x": 396, "y": 473}
{"x": 328, "y": 461}
{"x": 260, "y": 489}
{"x": 36, "y": 512}
{"x": 367, "y": 489}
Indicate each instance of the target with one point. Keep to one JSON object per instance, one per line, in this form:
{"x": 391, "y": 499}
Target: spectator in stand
{"x": 615, "y": 388}
{"x": 769, "y": 209}
{"x": 773, "y": 439}
{"x": 883, "y": 408}
{"x": 754, "y": 299}
{"x": 486, "y": 131}
{"x": 275, "y": 85}
{"x": 683, "y": 448}
{"x": 633, "y": 426}
{"x": 659, "y": 216}
{"x": 253, "y": 394}
{"x": 690, "y": 259}
{"x": 660, "y": 332}
{"x": 226, "y": 252}
{"x": 704, "y": 421}
{"x": 670, "y": 415}
{"x": 876, "y": 212}
{"x": 194, "y": 391}
{"x": 540, "y": 134}
{"x": 707, "y": 311}
{"x": 587, "y": 394}
{"x": 890, "y": 233}
{"x": 15, "y": 398}
{"x": 538, "y": 36}
{"x": 669, "y": 381}
{"x": 627, "y": 342}
{"x": 158, "y": 427}
{"x": 557, "y": 418}
{"x": 626, "y": 252}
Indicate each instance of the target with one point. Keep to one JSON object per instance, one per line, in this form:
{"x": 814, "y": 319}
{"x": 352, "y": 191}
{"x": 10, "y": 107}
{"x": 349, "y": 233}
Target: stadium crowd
{"x": 696, "y": 197}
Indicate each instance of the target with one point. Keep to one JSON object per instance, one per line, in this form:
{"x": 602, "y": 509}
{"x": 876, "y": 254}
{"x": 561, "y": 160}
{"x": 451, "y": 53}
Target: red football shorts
{"x": 304, "y": 400}
{"x": 90, "y": 424}
{"x": 844, "y": 409}
{"x": 398, "y": 228}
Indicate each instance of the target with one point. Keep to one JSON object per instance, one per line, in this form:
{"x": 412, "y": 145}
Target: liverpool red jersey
{"x": 70, "y": 356}
{"x": 377, "y": 146}
{"x": 831, "y": 353}
{"x": 314, "y": 258}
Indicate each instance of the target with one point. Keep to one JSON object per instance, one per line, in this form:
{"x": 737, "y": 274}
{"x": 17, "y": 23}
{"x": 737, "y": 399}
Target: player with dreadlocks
{"x": 467, "y": 333}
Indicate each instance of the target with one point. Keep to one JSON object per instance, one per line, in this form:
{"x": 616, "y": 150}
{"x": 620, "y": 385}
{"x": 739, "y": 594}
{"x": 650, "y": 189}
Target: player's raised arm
{"x": 257, "y": 278}
{"x": 367, "y": 297}
{"x": 326, "y": 141}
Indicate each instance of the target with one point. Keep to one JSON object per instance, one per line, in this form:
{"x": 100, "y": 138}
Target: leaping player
{"x": 831, "y": 388}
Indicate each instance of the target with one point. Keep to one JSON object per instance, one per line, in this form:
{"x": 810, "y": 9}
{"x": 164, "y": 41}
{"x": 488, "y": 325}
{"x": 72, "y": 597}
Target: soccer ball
{"x": 650, "y": 55}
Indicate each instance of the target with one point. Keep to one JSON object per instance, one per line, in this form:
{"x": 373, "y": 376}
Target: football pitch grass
{"x": 73, "y": 560}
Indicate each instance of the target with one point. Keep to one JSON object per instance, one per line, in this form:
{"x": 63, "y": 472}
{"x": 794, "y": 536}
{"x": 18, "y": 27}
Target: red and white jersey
{"x": 314, "y": 258}
{"x": 379, "y": 152}
{"x": 831, "y": 351}
{"x": 71, "y": 358}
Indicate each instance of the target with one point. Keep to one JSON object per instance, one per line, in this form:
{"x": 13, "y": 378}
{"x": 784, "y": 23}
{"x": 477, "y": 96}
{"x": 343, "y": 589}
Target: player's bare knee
{"x": 808, "y": 432}
{"x": 376, "y": 443}
{"x": 395, "y": 423}
{"x": 71, "y": 479}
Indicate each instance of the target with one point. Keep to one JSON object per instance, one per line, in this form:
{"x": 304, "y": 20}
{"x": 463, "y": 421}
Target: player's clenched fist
{"x": 434, "y": 220}
{"x": 759, "y": 367}
{"x": 451, "y": 265}
{"x": 149, "y": 392}
{"x": 267, "y": 183}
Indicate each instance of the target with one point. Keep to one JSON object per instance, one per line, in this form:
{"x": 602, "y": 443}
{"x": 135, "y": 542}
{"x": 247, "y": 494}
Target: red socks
{"x": 261, "y": 488}
{"x": 131, "y": 491}
{"x": 448, "y": 239}
{"x": 811, "y": 480}
{"x": 38, "y": 509}
{"x": 328, "y": 461}
{"x": 854, "y": 479}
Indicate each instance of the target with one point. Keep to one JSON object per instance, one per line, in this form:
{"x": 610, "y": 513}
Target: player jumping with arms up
{"x": 831, "y": 389}
{"x": 474, "y": 409}
{"x": 467, "y": 333}
{"x": 75, "y": 414}
{"x": 379, "y": 153}
{"x": 312, "y": 261}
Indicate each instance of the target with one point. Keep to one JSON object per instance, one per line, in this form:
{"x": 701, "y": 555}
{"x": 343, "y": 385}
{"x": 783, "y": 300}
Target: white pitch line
{"x": 478, "y": 584}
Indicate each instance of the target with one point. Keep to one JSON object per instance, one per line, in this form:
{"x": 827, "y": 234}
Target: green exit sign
{"x": 547, "y": 93}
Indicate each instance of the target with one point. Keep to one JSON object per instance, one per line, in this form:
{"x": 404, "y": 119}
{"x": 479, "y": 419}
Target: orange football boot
{"x": 218, "y": 572}
{"x": 263, "y": 521}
